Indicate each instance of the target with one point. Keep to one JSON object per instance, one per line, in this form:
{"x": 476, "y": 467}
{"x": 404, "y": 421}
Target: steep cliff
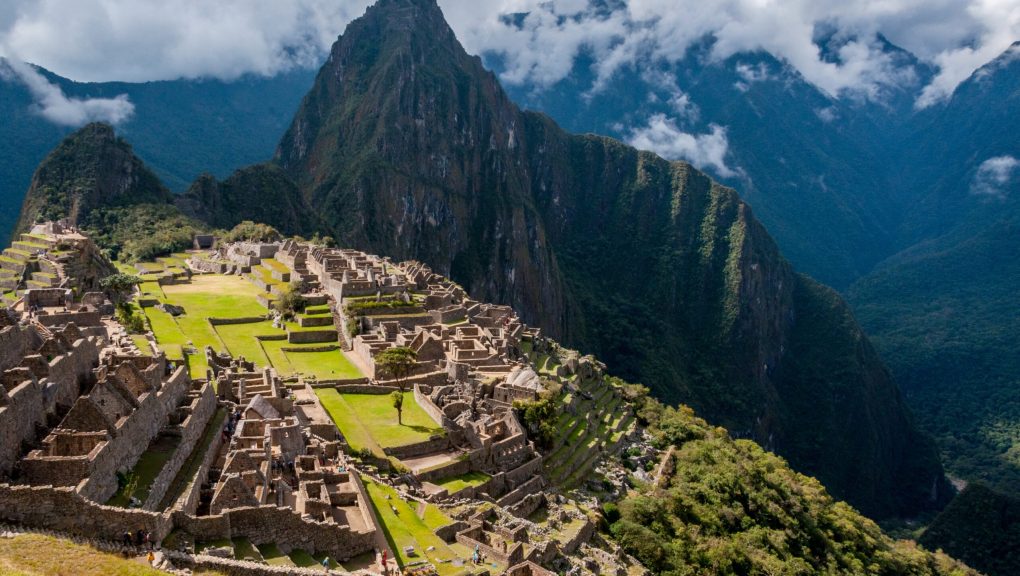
{"x": 407, "y": 146}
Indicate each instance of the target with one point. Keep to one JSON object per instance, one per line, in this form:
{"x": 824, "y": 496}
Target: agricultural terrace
{"x": 414, "y": 524}
{"x": 206, "y": 296}
{"x": 370, "y": 420}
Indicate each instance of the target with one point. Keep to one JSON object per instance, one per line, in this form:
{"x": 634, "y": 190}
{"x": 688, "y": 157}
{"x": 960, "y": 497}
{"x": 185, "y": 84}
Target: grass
{"x": 149, "y": 465}
{"x": 402, "y": 527}
{"x": 241, "y": 340}
{"x": 370, "y": 421}
{"x": 355, "y": 432}
{"x": 303, "y": 559}
{"x": 37, "y": 555}
{"x": 273, "y": 556}
{"x": 455, "y": 484}
{"x": 244, "y": 550}
{"x": 329, "y": 365}
{"x": 218, "y": 296}
{"x": 142, "y": 343}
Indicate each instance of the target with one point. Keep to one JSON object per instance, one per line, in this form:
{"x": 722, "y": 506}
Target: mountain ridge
{"x": 413, "y": 149}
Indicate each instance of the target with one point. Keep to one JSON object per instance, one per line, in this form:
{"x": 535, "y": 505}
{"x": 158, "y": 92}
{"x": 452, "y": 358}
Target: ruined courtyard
{"x": 247, "y": 439}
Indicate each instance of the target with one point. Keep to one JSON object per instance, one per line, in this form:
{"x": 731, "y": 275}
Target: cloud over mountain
{"x": 55, "y": 106}
{"x": 138, "y": 40}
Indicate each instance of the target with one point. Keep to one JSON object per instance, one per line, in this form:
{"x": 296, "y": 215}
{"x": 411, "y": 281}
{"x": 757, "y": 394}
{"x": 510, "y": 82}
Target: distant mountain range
{"x": 912, "y": 213}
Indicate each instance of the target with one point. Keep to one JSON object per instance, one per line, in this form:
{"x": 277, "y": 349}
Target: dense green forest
{"x": 730, "y": 507}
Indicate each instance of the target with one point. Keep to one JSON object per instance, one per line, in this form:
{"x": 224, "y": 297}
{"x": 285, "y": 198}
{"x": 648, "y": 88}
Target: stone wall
{"x": 282, "y": 526}
{"x": 133, "y": 438}
{"x": 470, "y": 538}
{"x": 189, "y": 500}
{"x": 431, "y": 409}
{"x": 91, "y": 318}
{"x": 312, "y": 336}
{"x": 417, "y": 449}
{"x": 227, "y": 321}
{"x": 192, "y": 429}
{"x": 65, "y": 510}
{"x": 363, "y": 389}
{"x": 531, "y": 486}
{"x": 15, "y": 342}
{"x": 453, "y": 468}
{"x": 30, "y": 398}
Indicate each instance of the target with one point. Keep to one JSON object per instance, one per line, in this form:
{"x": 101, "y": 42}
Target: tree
{"x": 398, "y": 403}
{"x": 397, "y": 362}
{"x": 292, "y": 301}
{"x": 118, "y": 287}
{"x": 252, "y": 232}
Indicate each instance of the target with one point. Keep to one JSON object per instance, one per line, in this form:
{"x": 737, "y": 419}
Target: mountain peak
{"x": 89, "y": 169}
{"x": 407, "y": 146}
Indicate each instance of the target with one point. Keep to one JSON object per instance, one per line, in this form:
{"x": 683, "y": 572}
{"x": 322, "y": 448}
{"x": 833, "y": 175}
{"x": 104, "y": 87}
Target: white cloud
{"x": 138, "y": 40}
{"x": 994, "y": 176}
{"x": 543, "y": 47}
{"x": 141, "y": 40}
{"x": 55, "y": 106}
{"x": 662, "y": 136}
{"x": 749, "y": 74}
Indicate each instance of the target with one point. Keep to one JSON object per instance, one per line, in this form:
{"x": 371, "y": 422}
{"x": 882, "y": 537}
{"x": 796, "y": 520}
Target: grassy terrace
{"x": 370, "y": 420}
{"x": 403, "y": 527}
{"x": 216, "y": 296}
{"x": 579, "y": 443}
{"x": 37, "y": 555}
{"x": 457, "y": 483}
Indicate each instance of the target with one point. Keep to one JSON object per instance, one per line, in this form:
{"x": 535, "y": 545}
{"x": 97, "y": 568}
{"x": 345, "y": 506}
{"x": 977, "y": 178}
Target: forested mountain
{"x": 181, "y": 128}
{"x": 409, "y": 147}
{"x": 912, "y": 213}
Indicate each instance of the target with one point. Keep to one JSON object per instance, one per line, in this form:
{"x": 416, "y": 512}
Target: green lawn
{"x": 275, "y": 265}
{"x": 303, "y": 559}
{"x": 457, "y": 483}
{"x": 245, "y": 550}
{"x": 217, "y": 296}
{"x": 330, "y": 365}
{"x": 241, "y": 340}
{"x": 142, "y": 343}
{"x": 403, "y": 527}
{"x": 370, "y": 421}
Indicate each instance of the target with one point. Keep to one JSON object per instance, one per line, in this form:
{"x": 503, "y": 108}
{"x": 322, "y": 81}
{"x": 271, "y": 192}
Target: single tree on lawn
{"x": 118, "y": 287}
{"x": 398, "y": 403}
{"x": 397, "y": 362}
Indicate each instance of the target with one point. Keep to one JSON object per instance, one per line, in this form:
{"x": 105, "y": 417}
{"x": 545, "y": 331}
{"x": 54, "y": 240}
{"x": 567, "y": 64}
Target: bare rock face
{"x": 409, "y": 147}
